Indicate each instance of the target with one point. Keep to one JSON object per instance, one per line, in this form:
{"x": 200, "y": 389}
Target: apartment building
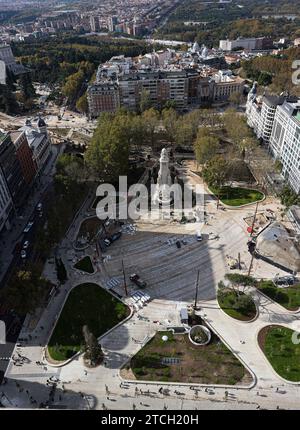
{"x": 39, "y": 142}
{"x": 24, "y": 155}
{"x": 225, "y": 84}
{"x": 260, "y": 113}
{"x": 276, "y": 121}
{"x": 103, "y": 97}
{"x": 249, "y": 44}
{"x": 162, "y": 76}
{"x": 12, "y": 171}
{"x": 285, "y": 141}
{"x": 6, "y": 204}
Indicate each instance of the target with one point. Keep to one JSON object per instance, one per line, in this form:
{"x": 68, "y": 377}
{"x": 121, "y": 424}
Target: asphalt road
{"x": 12, "y": 321}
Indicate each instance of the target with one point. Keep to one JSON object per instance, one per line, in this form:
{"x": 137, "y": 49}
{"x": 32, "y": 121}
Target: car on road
{"x": 28, "y": 227}
{"x": 199, "y": 236}
{"x": 116, "y": 236}
{"x": 23, "y": 254}
{"x": 137, "y": 280}
{"x": 26, "y": 244}
{"x": 39, "y": 206}
{"x": 107, "y": 242}
{"x": 284, "y": 280}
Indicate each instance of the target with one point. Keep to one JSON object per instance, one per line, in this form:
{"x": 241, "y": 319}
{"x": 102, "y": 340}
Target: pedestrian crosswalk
{"x": 113, "y": 282}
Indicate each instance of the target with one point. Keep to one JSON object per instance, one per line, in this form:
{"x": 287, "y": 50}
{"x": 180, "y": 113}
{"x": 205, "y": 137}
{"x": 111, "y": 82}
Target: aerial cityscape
{"x": 149, "y": 206}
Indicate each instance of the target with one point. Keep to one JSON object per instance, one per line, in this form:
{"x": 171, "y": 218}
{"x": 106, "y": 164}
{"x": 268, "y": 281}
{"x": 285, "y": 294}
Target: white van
{"x": 199, "y": 236}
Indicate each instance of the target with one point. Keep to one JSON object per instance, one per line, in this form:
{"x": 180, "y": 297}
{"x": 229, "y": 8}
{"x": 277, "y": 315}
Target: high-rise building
{"x": 276, "y": 121}
{"x": 39, "y": 142}
{"x": 12, "y": 170}
{"x": 94, "y": 23}
{"x": 112, "y": 21}
{"x": 285, "y": 141}
{"x": 25, "y": 155}
{"x": 6, "y": 204}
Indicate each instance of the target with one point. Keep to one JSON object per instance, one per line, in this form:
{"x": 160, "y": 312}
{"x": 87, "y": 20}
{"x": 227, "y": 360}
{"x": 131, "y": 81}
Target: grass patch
{"x": 235, "y": 196}
{"x": 87, "y": 304}
{"x": 288, "y": 297}
{"x": 85, "y": 265}
{"x": 282, "y": 353}
{"x": 237, "y": 305}
{"x": 210, "y": 364}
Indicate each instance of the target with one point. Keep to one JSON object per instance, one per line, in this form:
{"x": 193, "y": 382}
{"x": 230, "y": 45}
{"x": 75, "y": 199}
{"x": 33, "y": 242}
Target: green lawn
{"x": 85, "y": 265}
{"x": 282, "y": 353}
{"x": 87, "y": 304}
{"x": 240, "y": 307}
{"x": 210, "y": 364}
{"x": 234, "y": 196}
{"x": 288, "y": 297}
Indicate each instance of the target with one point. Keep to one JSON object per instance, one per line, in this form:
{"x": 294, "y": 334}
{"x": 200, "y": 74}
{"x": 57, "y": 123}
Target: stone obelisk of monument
{"x": 162, "y": 194}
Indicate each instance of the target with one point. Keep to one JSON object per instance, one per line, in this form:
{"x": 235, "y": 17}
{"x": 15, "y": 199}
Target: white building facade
{"x": 285, "y": 141}
{"x": 276, "y": 121}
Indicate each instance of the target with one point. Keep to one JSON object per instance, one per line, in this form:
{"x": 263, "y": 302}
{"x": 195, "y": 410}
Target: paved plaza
{"x": 149, "y": 249}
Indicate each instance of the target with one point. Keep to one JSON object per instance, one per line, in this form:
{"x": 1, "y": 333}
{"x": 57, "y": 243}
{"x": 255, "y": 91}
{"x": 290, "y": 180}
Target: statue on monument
{"x": 164, "y": 181}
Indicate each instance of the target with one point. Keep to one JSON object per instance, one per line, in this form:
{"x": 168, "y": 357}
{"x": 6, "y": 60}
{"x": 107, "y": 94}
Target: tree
{"x": 27, "y": 89}
{"x": 289, "y": 197}
{"x": 238, "y": 132}
{"x": 169, "y": 118}
{"x": 215, "y": 172}
{"x": 239, "y": 280}
{"x": 60, "y": 270}
{"x": 25, "y": 290}
{"x": 145, "y": 100}
{"x": 151, "y": 120}
{"x": 92, "y": 349}
{"x": 82, "y": 104}
{"x": 8, "y": 102}
{"x": 264, "y": 79}
{"x": 107, "y": 155}
{"x": 205, "y": 146}
{"x": 236, "y": 98}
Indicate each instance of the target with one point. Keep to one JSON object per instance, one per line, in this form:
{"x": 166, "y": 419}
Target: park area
{"x": 288, "y": 297}
{"x": 283, "y": 354}
{"x": 87, "y": 304}
{"x": 237, "y": 305}
{"x": 236, "y": 196}
{"x": 178, "y": 360}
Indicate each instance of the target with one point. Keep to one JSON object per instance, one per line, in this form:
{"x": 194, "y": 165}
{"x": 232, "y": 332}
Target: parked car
{"x": 199, "y": 236}
{"x": 28, "y": 227}
{"x": 284, "y": 280}
{"x": 178, "y": 244}
{"x": 39, "y": 206}
{"x": 107, "y": 242}
{"x": 116, "y": 236}
{"x": 137, "y": 280}
{"x": 26, "y": 244}
{"x": 23, "y": 254}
